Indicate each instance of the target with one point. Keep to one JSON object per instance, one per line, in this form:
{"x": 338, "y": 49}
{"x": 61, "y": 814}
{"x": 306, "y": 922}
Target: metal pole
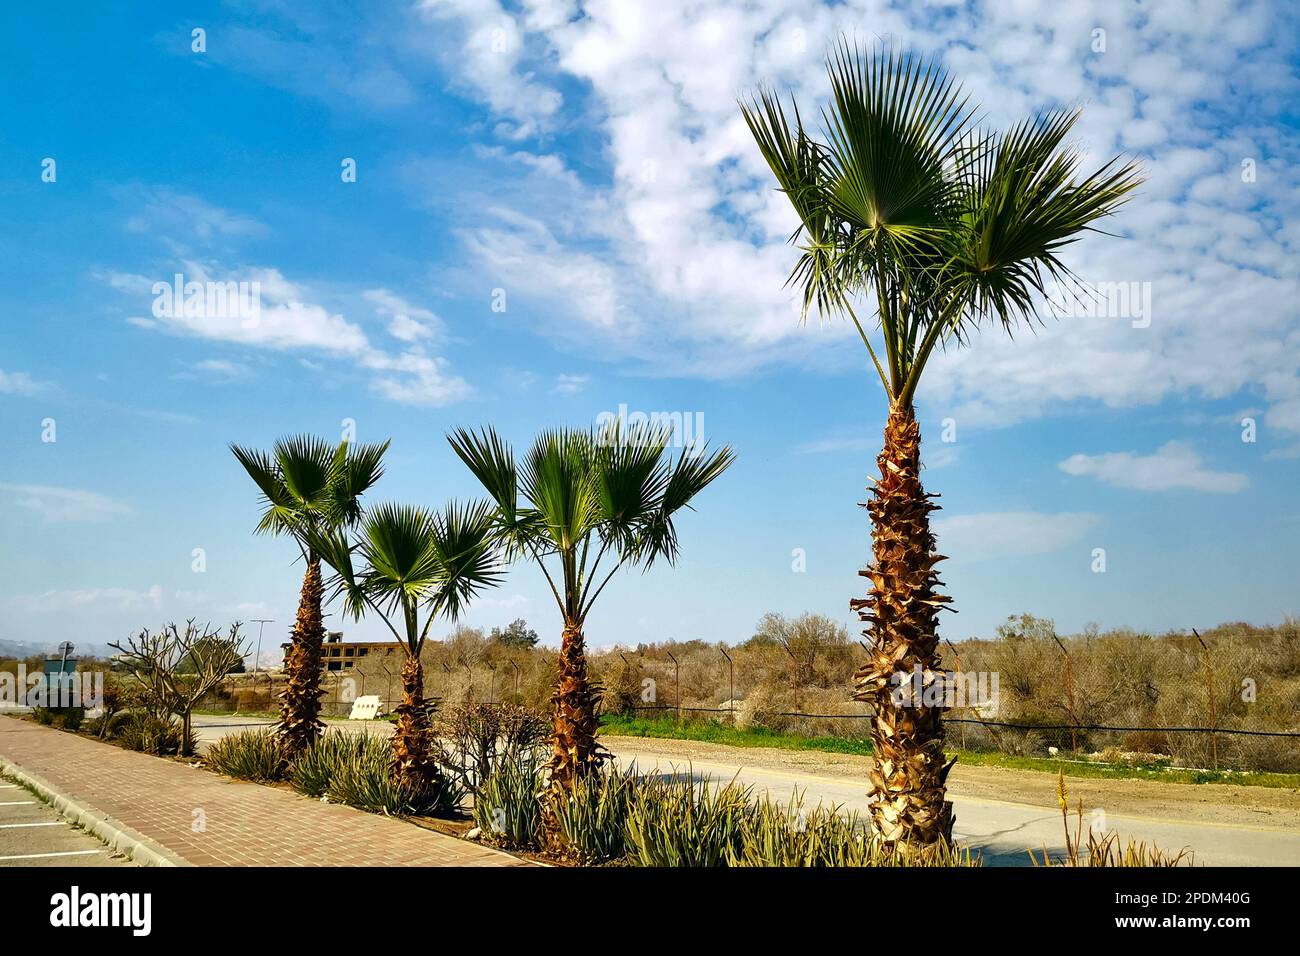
{"x": 731, "y": 666}
{"x": 492, "y": 680}
{"x": 516, "y": 669}
{"x": 678, "y": 680}
{"x": 1209, "y": 697}
{"x": 957, "y": 654}
{"x": 261, "y": 623}
{"x": 1069, "y": 693}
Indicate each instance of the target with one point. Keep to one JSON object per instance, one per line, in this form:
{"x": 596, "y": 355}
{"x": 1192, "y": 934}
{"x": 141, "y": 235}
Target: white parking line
{"x": 21, "y": 826}
{"x": 45, "y": 856}
{"x": 18, "y": 803}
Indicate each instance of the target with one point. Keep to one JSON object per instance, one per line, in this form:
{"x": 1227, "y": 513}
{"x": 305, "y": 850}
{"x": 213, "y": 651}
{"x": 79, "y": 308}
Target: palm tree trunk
{"x": 412, "y": 764}
{"x": 902, "y": 610}
{"x": 574, "y": 704}
{"x": 300, "y": 724}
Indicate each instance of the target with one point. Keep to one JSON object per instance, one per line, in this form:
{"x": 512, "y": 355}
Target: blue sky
{"x": 589, "y": 161}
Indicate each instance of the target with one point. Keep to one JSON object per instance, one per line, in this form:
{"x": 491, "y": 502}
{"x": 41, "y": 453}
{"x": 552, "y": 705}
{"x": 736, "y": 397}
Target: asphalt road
{"x": 1003, "y": 831}
{"x": 32, "y": 834}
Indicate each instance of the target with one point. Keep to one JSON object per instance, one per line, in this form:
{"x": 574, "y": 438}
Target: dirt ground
{"x": 1209, "y": 803}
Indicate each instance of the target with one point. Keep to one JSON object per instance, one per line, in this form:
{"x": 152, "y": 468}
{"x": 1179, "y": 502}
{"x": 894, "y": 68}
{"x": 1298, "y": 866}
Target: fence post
{"x": 492, "y": 681}
{"x": 516, "y": 670}
{"x": 731, "y": 699}
{"x": 1209, "y": 697}
{"x": 957, "y": 654}
{"x": 678, "y": 681}
{"x": 1069, "y": 694}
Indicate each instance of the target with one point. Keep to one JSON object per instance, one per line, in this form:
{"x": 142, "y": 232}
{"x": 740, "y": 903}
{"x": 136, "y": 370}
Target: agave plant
{"x": 409, "y": 567}
{"x": 583, "y": 505}
{"x": 308, "y": 487}
{"x": 904, "y": 203}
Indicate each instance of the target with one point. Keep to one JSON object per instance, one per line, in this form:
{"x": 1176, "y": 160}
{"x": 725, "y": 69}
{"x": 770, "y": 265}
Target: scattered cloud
{"x": 570, "y": 384}
{"x": 54, "y": 504}
{"x": 1172, "y": 466}
{"x": 277, "y": 314}
{"x": 61, "y": 601}
{"x": 216, "y": 370}
{"x": 19, "y": 383}
{"x": 406, "y": 322}
{"x": 1011, "y": 533}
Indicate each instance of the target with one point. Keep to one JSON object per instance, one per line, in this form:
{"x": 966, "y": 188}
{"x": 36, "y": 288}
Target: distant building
{"x": 340, "y": 655}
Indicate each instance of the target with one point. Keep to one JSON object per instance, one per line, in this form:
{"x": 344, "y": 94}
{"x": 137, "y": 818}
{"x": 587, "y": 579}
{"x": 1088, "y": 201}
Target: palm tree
{"x": 413, "y": 563}
{"x": 583, "y": 505}
{"x": 902, "y": 198}
{"x": 308, "y": 486}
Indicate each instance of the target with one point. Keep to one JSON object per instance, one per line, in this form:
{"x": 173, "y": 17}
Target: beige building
{"x": 340, "y": 655}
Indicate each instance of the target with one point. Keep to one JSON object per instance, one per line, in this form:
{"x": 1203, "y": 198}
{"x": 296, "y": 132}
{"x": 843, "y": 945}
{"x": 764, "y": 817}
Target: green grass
{"x": 719, "y": 733}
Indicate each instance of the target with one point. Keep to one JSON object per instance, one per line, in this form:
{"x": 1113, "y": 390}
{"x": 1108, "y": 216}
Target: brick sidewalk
{"x": 247, "y": 824}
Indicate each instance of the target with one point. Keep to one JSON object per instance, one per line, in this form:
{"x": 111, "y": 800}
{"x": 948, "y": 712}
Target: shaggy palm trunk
{"x": 412, "y": 763}
{"x": 902, "y": 608}
{"x": 574, "y": 708}
{"x": 300, "y": 724}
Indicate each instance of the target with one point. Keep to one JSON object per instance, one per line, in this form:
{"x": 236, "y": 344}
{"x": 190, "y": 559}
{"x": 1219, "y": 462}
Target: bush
{"x": 248, "y": 755}
{"x": 592, "y": 817}
{"x": 311, "y": 773}
{"x": 355, "y": 769}
{"x": 786, "y": 835}
{"x": 70, "y": 718}
{"x": 675, "y": 821}
{"x": 362, "y": 779}
{"x": 148, "y": 733}
{"x": 43, "y": 715}
{"x": 506, "y": 807}
{"x": 472, "y": 739}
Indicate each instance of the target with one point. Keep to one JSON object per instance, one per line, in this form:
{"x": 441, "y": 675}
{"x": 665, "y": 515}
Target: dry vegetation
{"x": 804, "y": 665}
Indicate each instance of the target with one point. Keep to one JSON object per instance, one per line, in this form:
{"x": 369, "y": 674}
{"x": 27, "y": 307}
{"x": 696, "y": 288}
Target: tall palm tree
{"x": 413, "y": 564}
{"x": 903, "y": 201}
{"x": 308, "y": 486}
{"x": 582, "y": 505}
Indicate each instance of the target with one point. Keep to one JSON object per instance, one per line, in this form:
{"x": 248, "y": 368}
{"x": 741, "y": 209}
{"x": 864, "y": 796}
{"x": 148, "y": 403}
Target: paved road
{"x": 32, "y": 834}
{"x": 1001, "y": 830}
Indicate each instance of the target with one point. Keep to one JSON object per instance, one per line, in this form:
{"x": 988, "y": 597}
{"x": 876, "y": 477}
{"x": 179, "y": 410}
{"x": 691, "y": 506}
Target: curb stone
{"x": 119, "y": 836}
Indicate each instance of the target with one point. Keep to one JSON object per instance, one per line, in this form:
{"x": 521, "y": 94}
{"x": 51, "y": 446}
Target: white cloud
{"x": 60, "y": 601}
{"x": 217, "y": 370}
{"x": 63, "y": 504}
{"x": 570, "y": 384}
{"x": 18, "y": 383}
{"x": 182, "y": 218}
{"x": 406, "y": 322}
{"x": 1172, "y": 466}
{"x": 1011, "y": 533}
{"x": 693, "y": 231}
{"x": 288, "y": 318}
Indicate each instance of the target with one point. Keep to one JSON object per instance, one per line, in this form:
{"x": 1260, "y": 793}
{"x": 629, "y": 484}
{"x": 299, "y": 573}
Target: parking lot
{"x": 32, "y": 834}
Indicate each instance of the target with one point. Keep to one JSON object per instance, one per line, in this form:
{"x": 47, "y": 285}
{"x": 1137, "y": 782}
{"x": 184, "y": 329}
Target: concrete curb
{"x": 116, "y": 834}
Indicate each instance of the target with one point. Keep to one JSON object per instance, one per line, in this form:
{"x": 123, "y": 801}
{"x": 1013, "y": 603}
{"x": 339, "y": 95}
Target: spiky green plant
{"x": 248, "y": 755}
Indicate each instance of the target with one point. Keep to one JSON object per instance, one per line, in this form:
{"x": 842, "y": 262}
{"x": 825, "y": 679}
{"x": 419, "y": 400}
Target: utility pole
{"x": 261, "y": 622}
